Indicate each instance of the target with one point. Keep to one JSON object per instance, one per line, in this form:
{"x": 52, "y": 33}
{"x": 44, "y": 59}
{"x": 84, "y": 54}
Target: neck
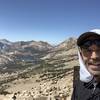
{"x": 97, "y": 78}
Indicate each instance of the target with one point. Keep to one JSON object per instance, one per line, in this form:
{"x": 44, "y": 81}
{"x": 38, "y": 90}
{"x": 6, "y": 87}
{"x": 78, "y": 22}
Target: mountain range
{"x": 19, "y": 55}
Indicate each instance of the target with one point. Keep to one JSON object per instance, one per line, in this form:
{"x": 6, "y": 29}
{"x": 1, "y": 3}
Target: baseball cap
{"x": 84, "y": 36}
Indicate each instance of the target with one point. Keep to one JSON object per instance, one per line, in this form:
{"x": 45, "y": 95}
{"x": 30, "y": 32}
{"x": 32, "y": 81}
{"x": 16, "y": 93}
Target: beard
{"x": 94, "y": 69}
{"x": 93, "y": 66}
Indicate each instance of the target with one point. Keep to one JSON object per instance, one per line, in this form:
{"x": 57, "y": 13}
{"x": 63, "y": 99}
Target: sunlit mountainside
{"x": 48, "y": 67}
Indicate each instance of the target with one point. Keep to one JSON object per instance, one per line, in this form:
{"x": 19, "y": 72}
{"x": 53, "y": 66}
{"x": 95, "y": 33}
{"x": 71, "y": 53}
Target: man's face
{"x": 91, "y": 55}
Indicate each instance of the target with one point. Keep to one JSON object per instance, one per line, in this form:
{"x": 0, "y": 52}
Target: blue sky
{"x": 47, "y": 20}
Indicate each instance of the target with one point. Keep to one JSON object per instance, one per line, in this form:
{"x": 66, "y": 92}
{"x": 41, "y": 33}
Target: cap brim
{"x": 84, "y": 37}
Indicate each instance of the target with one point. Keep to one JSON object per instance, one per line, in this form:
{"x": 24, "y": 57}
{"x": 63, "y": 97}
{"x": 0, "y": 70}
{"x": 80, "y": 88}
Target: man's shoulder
{"x": 76, "y": 78}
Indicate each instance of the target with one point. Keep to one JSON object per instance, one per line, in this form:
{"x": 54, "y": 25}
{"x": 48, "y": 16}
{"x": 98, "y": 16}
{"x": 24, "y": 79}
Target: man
{"x": 88, "y": 85}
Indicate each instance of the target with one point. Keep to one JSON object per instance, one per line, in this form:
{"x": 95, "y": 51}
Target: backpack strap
{"x": 75, "y": 75}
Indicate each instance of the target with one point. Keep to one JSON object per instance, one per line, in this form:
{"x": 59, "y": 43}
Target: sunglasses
{"x": 85, "y": 46}
{"x": 88, "y": 43}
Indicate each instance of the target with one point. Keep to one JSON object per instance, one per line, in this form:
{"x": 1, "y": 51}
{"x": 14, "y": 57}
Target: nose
{"x": 94, "y": 55}
{"x": 95, "y": 52}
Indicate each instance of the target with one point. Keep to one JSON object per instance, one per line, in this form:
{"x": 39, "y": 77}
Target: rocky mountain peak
{"x": 5, "y": 41}
{"x": 67, "y": 44}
